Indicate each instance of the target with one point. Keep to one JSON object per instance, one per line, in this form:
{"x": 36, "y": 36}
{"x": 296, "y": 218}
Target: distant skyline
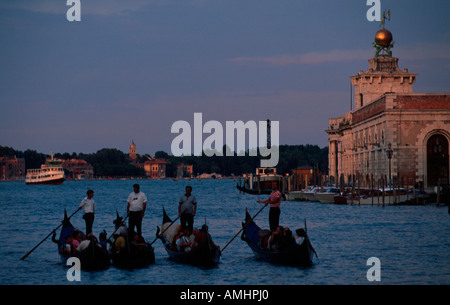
{"x": 130, "y": 69}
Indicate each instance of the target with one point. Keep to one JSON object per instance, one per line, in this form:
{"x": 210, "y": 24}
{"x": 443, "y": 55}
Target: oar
{"x": 164, "y": 231}
{"x": 26, "y": 255}
{"x": 243, "y": 227}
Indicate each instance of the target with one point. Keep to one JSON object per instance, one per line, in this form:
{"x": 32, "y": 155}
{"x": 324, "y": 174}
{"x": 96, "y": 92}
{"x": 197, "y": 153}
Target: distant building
{"x": 155, "y": 168}
{"x": 12, "y": 168}
{"x": 392, "y": 134}
{"x": 185, "y": 170}
{"x": 132, "y": 154}
{"x": 306, "y": 175}
{"x": 78, "y": 169}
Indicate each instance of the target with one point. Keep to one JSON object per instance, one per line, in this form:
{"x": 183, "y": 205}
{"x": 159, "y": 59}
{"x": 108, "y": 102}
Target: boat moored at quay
{"x": 261, "y": 182}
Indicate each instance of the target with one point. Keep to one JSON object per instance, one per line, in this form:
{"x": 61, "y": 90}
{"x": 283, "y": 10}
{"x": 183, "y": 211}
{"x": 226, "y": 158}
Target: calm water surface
{"x": 412, "y": 243}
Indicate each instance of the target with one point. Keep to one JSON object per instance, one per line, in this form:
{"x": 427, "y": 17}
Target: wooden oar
{"x": 243, "y": 227}
{"x": 164, "y": 231}
{"x": 26, "y": 255}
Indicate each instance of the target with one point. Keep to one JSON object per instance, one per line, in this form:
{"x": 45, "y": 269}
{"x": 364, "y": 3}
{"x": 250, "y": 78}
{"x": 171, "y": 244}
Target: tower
{"x": 383, "y": 75}
{"x": 132, "y": 153}
{"x": 392, "y": 134}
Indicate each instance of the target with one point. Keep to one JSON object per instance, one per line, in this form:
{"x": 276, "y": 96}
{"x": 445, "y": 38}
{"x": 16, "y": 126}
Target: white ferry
{"x": 51, "y": 172}
{"x": 261, "y": 183}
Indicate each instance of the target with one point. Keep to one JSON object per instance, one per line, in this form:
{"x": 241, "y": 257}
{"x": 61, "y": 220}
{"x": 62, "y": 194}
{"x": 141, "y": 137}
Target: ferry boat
{"x": 261, "y": 183}
{"x": 51, "y": 172}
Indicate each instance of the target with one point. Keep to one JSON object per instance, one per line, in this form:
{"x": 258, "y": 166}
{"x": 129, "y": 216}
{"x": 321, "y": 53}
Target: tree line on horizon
{"x": 113, "y": 162}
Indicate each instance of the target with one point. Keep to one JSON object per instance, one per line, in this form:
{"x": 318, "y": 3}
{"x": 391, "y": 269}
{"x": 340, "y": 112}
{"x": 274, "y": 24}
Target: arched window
{"x": 437, "y": 160}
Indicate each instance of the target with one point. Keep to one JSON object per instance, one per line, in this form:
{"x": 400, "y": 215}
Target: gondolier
{"x": 275, "y": 202}
{"x": 137, "y": 203}
{"x": 88, "y": 205}
{"x": 186, "y": 209}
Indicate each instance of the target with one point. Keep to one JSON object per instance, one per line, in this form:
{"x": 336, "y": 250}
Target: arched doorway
{"x": 437, "y": 160}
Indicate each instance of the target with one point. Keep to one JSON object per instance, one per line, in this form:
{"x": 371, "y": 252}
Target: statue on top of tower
{"x": 383, "y": 38}
{"x": 383, "y": 18}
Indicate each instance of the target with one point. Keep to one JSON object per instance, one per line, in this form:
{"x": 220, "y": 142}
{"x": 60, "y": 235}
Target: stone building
{"x": 78, "y": 169}
{"x": 12, "y": 168}
{"x": 393, "y": 133}
{"x": 185, "y": 170}
{"x": 155, "y": 168}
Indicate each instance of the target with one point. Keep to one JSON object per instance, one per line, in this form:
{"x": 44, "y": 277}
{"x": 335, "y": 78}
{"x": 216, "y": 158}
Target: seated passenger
{"x": 287, "y": 239}
{"x": 120, "y": 241}
{"x": 102, "y": 243}
{"x": 263, "y": 238}
{"x": 301, "y": 234}
{"x": 274, "y": 242}
{"x": 67, "y": 247}
{"x": 185, "y": 241}
{"x": 76, "y": 240}
{"x": 84, "y": 244}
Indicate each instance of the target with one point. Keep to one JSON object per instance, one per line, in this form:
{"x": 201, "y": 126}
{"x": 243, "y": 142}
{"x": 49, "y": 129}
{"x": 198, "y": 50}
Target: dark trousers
{"x": 187, "y": 221}
{"x": 89, "y": 219}
{"x": 135, "y": 221}
{"x": 274, "y": 218}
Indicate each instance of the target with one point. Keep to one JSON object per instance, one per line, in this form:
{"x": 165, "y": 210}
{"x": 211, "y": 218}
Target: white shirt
{"x": 137, "y": 201}
{"x": 83, "y": 245}
{"x": 88, "y": 205}
{"x": 300, "y": 240}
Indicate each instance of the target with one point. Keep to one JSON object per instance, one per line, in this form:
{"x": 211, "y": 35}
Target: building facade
{"x": 185, "y": 170}
{"x": 392, "y": 134}
{"x": 155, "y": 168}
{"x": 12, "y": 168}
{"x": 78, "y": 169}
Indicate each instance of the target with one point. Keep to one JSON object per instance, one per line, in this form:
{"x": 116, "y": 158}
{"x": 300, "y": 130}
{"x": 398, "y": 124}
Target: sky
{"x": 130, "y": 69}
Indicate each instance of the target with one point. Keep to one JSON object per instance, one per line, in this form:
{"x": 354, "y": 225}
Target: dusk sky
{"x": 129, "y": 69}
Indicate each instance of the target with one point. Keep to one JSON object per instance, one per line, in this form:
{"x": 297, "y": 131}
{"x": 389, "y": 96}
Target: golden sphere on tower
{"x": 383, "y": 38}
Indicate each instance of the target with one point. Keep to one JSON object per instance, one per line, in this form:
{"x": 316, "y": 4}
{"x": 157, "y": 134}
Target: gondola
{"x": 292, "y": 255}
{"x": 132, "y": 256}
{"x": 91, "y": 258}
{"x": 206, "y": 254}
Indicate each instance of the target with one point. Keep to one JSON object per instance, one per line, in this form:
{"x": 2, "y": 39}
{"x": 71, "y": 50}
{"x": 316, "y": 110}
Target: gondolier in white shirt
{"x": 137, "y": 203}
{"x": 88, "y": 205}
{"x": 186, "y": 210}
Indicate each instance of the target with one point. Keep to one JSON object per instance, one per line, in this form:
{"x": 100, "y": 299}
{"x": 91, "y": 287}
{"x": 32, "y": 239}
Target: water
{"x": 411, "y": 242}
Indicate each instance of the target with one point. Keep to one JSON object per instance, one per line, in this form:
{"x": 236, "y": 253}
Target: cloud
{"x": 94, "y": 7}
{"x": 308, "y": 58}
{"x": 423, "y": 51}
{"x": 417, "y": 52}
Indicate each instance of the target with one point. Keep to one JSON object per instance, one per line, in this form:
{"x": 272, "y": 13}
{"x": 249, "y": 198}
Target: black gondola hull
{"x": 92, "y": 258}
{"x": 298, "y": 256}
{"x": 294, "y": 255}
{"x": 135, "y": 258}
{"x": 205, "y": 255}
{"x": 200, "y": 256}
